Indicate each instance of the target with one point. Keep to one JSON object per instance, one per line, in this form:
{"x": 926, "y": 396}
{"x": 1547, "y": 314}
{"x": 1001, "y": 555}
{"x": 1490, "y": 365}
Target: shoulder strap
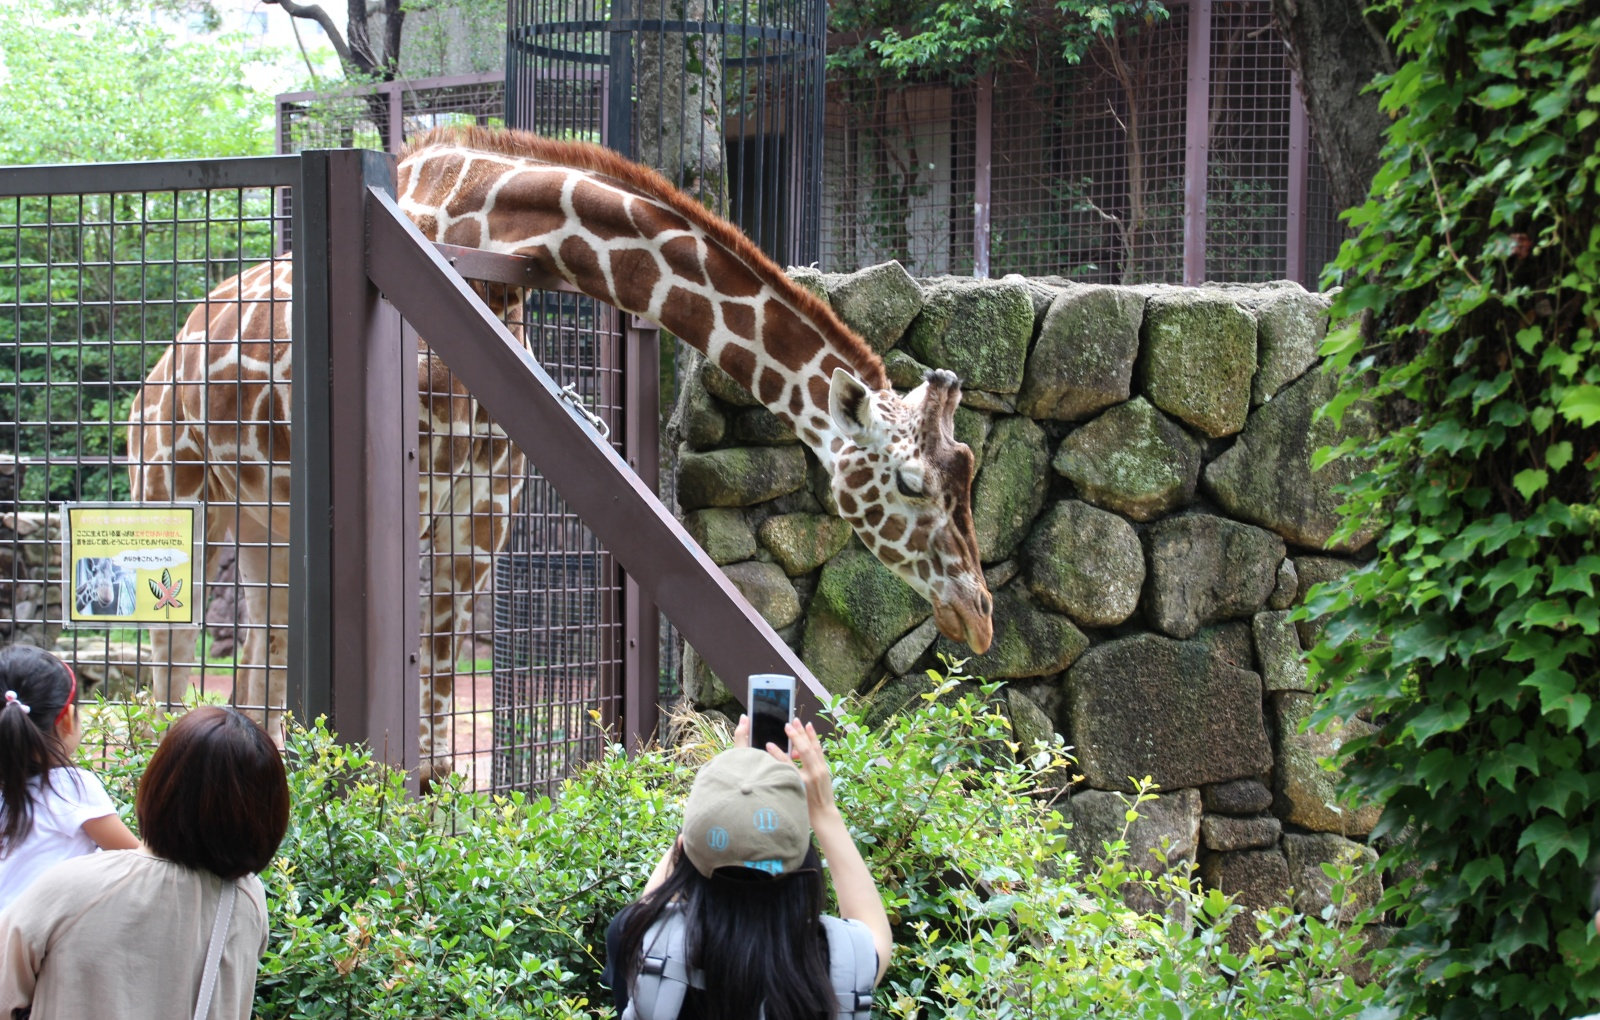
{"x": 852, "y": 966}
{"x": 664, "y": 976}
{"x": 219, "y": 932}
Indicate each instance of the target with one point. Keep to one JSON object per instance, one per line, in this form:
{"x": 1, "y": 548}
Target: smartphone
{"x": 771, "y": 706}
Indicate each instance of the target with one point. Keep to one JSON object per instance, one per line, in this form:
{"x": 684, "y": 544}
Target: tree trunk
{"x": 679, "y": 122}
{"x": 1336, "y": 52}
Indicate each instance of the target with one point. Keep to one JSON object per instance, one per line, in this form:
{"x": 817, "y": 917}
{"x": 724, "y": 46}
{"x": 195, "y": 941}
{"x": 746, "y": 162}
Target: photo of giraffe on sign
{"x": 126, "y": 563}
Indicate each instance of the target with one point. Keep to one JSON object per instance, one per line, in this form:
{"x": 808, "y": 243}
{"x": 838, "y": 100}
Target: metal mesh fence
{"x": 899, "y": 163}
{"x": 1247, "y": 183}
{"x": 94, "y": 286}
{"x": 536, "y": 663}
{"x": 1324, "y": 232}
{"x": 1081, "y": 171}
{"x": 383, "y": 116}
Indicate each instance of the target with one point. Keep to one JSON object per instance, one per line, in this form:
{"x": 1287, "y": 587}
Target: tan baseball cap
{"x": 747, "y": 810}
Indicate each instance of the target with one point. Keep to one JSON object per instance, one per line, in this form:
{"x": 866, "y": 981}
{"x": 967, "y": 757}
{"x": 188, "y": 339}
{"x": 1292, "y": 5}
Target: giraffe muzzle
{"x": 966, "y": 621}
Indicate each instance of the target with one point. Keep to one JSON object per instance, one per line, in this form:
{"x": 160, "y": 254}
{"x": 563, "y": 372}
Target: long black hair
{"x": 36, "y": 687}
{"x": 757, "y": 938}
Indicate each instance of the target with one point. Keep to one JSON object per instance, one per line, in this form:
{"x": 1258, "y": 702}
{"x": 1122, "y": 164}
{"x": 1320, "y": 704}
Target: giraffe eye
{"x": 909, "y": 481}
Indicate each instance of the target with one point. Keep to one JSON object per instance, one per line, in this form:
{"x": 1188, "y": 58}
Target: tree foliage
{"x": 79, "y": 84}
{"x": 960, "y": 39}
{"x": 1472, "y": 638}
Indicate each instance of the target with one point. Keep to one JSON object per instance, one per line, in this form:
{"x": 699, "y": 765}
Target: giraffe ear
{"x": 850, "y": 404}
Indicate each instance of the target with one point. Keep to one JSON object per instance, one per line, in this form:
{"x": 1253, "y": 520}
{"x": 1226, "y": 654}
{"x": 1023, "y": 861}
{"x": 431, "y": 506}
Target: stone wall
{"x": 1147, "y": 516}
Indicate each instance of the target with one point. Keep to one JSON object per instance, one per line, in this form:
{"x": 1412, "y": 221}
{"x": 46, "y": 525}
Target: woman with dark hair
{"x": 730, "y": 925}
{"x": 174, "y": 929}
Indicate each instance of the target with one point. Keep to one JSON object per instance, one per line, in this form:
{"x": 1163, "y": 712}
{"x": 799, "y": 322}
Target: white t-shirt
{"x": 74, "y": 796}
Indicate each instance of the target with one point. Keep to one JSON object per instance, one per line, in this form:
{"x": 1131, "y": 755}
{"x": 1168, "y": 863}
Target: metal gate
{"x": 99, "y": 268}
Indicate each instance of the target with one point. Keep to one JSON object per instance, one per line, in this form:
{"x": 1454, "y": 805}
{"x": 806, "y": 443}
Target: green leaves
{"x": 1581, "y": 404}
{"x": 1473, "y": 640}
{"x": 458, "y": 904}
{"x": 959, "y": 39}
{"x": 64, "y": 97}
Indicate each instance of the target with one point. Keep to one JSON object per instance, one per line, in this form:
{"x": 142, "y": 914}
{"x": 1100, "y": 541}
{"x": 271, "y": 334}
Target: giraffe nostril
{"x": 986, "y": 604}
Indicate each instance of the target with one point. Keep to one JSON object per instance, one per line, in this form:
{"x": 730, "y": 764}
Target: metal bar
{"x": 502, "y": 267}
{"x": 158, "y": 175}
{"x": 412, "y": 84}
{"x": 278, "y": 139}
{"x": 372, "y": 436}
{"x": 641, "y": 442}
{"x": 310, "y": 654}
{"x": 617, "y": 129}
{"x": 982, "y": 174}
{"x": 1197, "y": 143}
{"x": 1299, "y": 166}
{"x": 599, "y": 486}
{"x": 397, "y": 121}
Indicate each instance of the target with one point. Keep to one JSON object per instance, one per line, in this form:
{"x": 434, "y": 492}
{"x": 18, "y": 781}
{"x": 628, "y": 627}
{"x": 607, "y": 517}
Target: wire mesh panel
{"x": 1089, "y": 171}
{"x": 1324, "y": 232}
{"x": 900, "y": 165}
{"x": 1247, "y": 186}
{"x": 98, "y": 277}
{"x": 365, "y": 117}
{"x": 1086, "y": 175}
{"x": 522, "y": 674}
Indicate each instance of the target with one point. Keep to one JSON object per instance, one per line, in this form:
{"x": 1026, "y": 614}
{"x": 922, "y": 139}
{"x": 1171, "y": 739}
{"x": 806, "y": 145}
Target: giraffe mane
{"x": 605, "y": 162}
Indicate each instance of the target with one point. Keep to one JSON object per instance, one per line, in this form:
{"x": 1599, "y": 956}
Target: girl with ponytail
{"x": 50, "y": 809}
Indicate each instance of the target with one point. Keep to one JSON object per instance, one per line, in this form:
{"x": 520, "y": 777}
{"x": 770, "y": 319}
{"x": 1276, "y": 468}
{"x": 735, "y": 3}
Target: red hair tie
{"x": 72, "y": 691}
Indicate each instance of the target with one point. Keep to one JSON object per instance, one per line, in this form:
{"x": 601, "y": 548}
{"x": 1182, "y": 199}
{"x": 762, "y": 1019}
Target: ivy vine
{"x": 1471, "y": 639}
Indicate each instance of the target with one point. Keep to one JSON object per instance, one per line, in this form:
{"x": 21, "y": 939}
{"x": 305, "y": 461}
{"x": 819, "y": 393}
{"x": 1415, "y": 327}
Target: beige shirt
{"x": 124, "y": 934}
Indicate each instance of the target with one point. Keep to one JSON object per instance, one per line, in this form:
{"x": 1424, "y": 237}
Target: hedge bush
{"x": 464, "y": 905}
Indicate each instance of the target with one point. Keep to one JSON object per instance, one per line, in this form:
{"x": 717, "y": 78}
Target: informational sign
{"x": 124, "y": 563}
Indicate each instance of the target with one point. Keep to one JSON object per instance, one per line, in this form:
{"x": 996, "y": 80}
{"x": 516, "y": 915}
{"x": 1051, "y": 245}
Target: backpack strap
{"x": 663, "y": 977}
{"x": 852, "y": 966}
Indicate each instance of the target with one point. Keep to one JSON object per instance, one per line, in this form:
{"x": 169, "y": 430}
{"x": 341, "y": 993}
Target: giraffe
{"x": 620, "y": 233}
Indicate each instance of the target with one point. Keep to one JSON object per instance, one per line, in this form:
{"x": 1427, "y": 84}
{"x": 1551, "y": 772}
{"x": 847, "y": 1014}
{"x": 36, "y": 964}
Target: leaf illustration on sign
{"x": 166, "y": 591}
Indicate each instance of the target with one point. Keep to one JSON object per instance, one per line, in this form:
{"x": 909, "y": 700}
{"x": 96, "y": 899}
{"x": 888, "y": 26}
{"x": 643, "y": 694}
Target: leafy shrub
{"x": 463, "y": 905}
{"x": 1473, "y": 640}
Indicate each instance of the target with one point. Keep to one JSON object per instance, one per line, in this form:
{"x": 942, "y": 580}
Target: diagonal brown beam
{"x": 599, "y": 486}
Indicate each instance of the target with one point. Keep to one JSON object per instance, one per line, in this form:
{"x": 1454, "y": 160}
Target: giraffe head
{"x": 903, "y": 483}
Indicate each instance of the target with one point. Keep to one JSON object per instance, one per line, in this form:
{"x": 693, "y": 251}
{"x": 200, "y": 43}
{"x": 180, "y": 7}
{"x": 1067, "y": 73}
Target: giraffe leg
{"x": 262, "y": 686}
{"x": 436, "y": 669}
{"x": 469, "y": 493}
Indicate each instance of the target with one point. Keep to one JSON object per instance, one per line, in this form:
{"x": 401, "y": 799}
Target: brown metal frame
{"x": 393, "y": 93}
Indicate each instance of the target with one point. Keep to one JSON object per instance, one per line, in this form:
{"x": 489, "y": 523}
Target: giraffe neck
{"x": 621, "y": 234}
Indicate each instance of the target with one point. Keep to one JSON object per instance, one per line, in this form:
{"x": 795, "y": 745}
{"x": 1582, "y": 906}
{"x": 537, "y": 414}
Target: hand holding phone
{"x": 771, "y": 706}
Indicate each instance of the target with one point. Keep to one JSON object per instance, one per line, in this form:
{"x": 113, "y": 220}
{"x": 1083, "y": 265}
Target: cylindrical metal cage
{"x": 725, "y": 98}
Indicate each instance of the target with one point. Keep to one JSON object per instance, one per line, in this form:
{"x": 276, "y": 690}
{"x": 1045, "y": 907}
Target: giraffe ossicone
{"x": 620, "y": 233}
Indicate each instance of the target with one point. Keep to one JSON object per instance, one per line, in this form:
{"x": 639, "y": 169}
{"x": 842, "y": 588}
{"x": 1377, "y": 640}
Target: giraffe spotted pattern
{"x": 620, "y": 233}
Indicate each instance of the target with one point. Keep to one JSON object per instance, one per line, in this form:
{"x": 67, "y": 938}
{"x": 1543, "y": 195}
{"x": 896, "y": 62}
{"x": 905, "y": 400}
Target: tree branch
{"x": 314, "y": 12}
